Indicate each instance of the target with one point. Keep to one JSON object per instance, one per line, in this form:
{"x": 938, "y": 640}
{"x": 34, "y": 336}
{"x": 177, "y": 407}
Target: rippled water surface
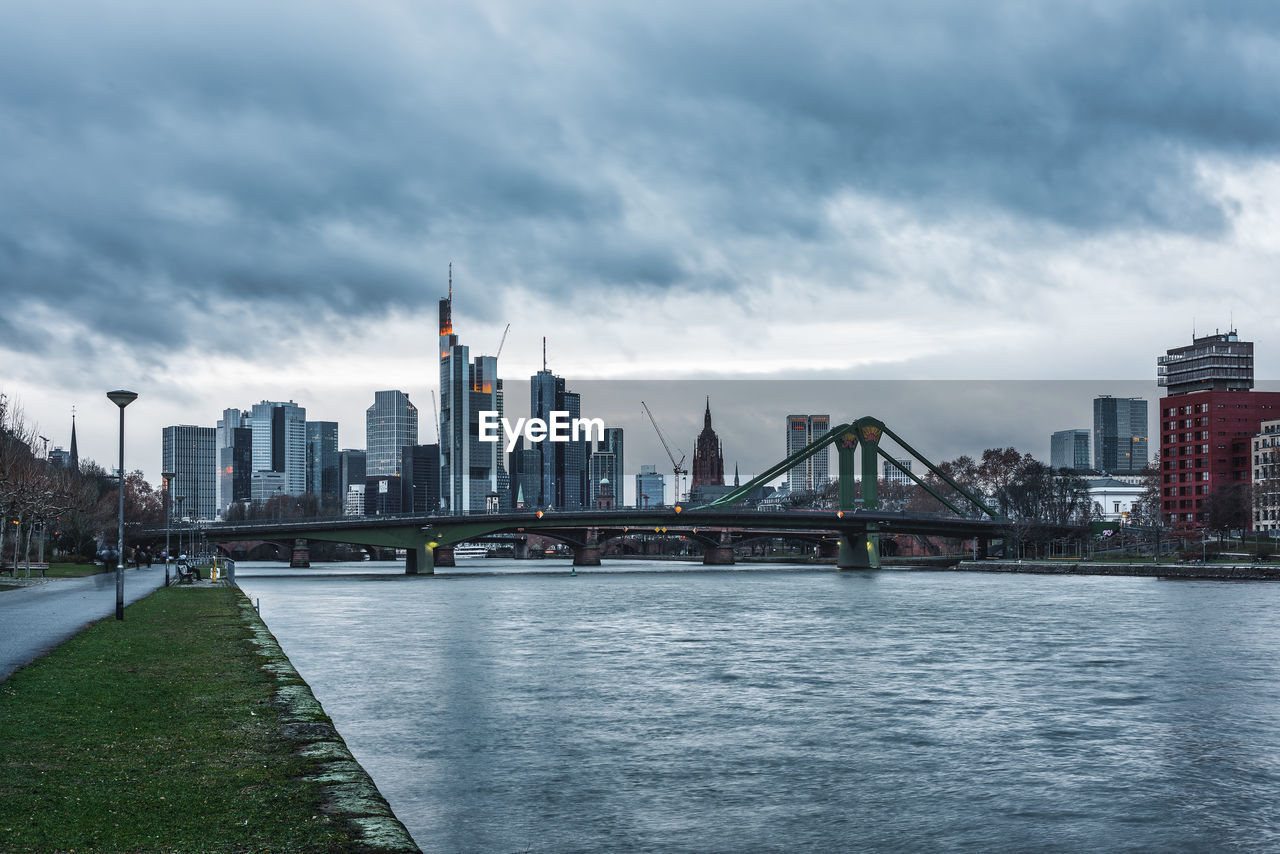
{"x": 691, "y": 711}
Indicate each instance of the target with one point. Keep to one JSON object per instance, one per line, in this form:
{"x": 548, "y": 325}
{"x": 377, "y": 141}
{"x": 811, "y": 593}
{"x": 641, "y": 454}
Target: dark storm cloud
{"x": 164, "y": 162}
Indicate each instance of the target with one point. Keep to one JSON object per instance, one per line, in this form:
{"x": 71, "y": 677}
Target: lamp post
{"x": 178, "y": 498}
{"x": 168, "y": 499}
{"x": 121, "y": 398}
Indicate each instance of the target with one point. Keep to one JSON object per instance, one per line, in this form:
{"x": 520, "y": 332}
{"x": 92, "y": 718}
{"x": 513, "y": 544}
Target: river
{"x": 511, "y": 707}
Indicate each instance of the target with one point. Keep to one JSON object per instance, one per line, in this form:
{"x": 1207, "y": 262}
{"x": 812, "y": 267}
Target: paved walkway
{"x": 35, "y": 619}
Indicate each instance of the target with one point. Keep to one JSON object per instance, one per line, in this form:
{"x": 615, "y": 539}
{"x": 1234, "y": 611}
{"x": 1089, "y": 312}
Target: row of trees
{"x": 73, "y": 507}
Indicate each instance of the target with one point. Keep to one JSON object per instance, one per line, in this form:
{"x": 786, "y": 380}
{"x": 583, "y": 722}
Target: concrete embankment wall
{"x": 349, "y": 791}
{"x": 1239, "y": 572}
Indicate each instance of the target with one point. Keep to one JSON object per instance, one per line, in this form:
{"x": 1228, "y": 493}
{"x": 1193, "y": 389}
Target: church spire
{"x": 75, "y": 453}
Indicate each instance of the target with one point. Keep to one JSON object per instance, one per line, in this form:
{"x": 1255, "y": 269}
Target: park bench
{"x": 186, "y": 573}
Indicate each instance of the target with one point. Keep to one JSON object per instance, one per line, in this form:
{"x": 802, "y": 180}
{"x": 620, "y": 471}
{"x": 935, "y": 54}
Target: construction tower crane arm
{"x": 503, "y": 341}
{"x": 435, "y": 416}
{"x": 676, "y": 467}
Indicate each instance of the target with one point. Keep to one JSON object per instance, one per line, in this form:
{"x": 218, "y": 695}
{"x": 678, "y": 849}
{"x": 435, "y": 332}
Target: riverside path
{"x": 35, "y": 619}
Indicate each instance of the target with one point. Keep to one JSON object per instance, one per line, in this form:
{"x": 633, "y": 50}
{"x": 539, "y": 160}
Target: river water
{"x": 659, "y": 707}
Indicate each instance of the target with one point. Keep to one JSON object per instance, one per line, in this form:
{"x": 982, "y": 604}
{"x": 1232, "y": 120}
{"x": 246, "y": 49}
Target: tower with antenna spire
{"x": 563, "y": 476}
{"x": 472, "y": 475}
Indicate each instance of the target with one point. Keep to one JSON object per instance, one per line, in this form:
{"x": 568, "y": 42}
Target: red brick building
{"x": 1206, "y": 423}
{"x": 1205, "y": 445}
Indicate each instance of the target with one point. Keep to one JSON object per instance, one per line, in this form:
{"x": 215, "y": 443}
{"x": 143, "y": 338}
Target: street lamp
{"x": 168, "y": 499}
{"x": 121, "y": 399}
{"x": 179, "y": 498}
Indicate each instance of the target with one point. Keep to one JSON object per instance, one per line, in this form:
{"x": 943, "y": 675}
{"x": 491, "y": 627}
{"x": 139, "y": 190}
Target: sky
{"x": 214, "y": 204}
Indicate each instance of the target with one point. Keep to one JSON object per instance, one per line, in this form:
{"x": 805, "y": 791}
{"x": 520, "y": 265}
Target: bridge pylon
{"x": 859, "y": 542}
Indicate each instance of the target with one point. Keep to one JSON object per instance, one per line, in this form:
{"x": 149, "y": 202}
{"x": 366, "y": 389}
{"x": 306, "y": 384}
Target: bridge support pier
{"x": 718, "y": 556}
{"x": 588, "y": 555}
{"x": 522, "y": 549}
{"x": 859, "y": 551}
{"x": 984, "y": 548}
{"x": 300, "y": 558}
{"x": 417, "y": 561}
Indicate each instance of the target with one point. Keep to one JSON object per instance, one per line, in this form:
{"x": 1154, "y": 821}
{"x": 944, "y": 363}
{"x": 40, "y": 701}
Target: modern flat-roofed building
{"x": 1266, "y": 477}
{"x": 280, "y": 443}
{"x": 189, "y": 453}
{"x": 651, "y": 488}
{"x": 390, "y": 424}
{"x": 1069, "y": 449}
{"x": 322, "y": 461}
{"x": 1119, "y": 434}
{"x": 1207, "y": 424}
{"x": 813, "y": 473}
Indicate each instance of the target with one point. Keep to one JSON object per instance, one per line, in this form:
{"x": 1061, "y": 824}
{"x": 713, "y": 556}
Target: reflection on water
{"x": 659, "y": 707}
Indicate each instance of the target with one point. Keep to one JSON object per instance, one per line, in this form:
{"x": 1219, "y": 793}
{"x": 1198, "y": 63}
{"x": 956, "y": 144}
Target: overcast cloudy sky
{"x": 217, "y": 203}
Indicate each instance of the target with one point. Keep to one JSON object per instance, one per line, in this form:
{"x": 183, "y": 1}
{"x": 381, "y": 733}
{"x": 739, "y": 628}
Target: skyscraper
{"x": 1207, "y": 423}
{"x": 603, "y": 467}
{"x": 612, "y": 447}
{"x": 189, "y": 452}
{"x": 390, "y": 424}
{"x": 1069, "y": 449}
{"x": 563, "y": 481}
{"x": 470, "y": 470}
{"x": 1119, "y": 434}
{"x": 322, "y": 461}
{"x": 234, "y": 447}
{"x": 810, "y": 474}
{"x": 280, "y": 445}
{"x": 525, "y": 466}
{"x": 351, "y": 479}
{"x": 420, "y": 478}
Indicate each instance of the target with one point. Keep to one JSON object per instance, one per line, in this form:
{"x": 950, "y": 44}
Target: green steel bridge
{"x": 857, "y": 521}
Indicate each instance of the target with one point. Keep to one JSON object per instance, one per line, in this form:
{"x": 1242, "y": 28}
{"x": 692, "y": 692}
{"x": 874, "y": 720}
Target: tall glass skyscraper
{"x": 1069, "y": 449}
{"x": 280, "y": 444}
{"x": 471, "y": 471}
{"x": 811, "y": 474}
{"x": 322, "y": 460}
{"x": 1119, "y": 434}
{"x": 390, "y": 424}
{"x": 563, "y": 477}
{"x": 234, "y": 443}
{"x": 190, "y": 453}
{"x": 420, "y": 478}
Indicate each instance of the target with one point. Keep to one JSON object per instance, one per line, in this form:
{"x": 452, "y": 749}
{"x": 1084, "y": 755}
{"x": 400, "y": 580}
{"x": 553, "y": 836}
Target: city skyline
{"x": 1044, "y": 203}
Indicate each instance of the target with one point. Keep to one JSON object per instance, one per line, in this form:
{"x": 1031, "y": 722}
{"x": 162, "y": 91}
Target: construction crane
{"x": 435, "y": 416}
{"x": 503, "y": 341}
{"x": 676, "y": 467}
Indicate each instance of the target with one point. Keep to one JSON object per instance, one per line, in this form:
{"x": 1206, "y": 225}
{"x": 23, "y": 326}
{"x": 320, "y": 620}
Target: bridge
{"x": 856, "y": 523}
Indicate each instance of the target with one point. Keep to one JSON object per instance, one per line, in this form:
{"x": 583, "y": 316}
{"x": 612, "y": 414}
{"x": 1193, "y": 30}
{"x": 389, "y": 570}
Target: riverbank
{"x": 1209, "y": 571}
{"x": 182, "y": 728}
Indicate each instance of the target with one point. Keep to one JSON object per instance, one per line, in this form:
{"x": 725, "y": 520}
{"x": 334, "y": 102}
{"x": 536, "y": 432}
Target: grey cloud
{"x": 299, "y": 157}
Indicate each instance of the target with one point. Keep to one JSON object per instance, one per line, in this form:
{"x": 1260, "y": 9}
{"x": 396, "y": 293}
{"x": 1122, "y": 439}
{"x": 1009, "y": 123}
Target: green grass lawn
{"x": 155, "y": 734}
{"x": 73, "y": 570}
